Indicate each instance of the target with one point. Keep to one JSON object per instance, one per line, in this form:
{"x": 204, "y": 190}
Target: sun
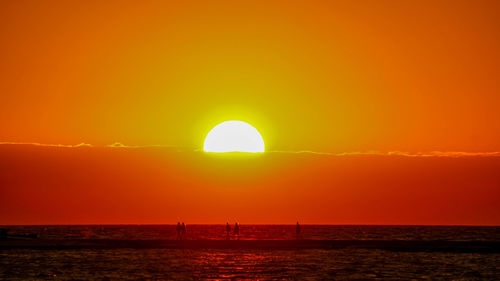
{"x": 234, "y": 136}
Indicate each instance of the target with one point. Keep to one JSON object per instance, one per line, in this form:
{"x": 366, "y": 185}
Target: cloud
{"x": 49, "y": 145}
{"x": 121, "y": 145}
{"x": 398, "y": 153}
{"x": 445, "y": 154}
{"x": 453, "y": 154}
{"x": 117, "y": 144}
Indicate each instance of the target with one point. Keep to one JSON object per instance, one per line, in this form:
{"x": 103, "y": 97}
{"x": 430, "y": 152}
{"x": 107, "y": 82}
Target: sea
{"x": 260, "y": 264}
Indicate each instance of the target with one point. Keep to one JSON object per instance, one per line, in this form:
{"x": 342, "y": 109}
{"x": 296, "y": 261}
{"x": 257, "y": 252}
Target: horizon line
{"x": 434, "y": 153}
{"x": 317, "y": 224}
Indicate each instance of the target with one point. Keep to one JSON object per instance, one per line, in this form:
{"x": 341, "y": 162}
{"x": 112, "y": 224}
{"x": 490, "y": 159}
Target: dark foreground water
{"x": 309, "y": 264}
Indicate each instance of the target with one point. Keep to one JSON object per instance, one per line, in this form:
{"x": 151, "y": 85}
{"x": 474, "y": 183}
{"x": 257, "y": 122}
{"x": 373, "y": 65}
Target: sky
{"x": 372, "y": 112}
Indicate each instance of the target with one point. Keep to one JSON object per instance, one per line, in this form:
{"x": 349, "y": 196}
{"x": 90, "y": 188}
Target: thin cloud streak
{"x": 121, "y": 145}
{"x": 371, "y": 152}
{"x": 397, "y": 153}
{"x": 48, "y": 145}
{"x": 113, "y": 145}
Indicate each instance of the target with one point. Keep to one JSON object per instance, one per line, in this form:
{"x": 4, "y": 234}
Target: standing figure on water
{"x": 237, "y": 231}
{"x": 183, "y": 230}
{"x": 297, "y": 231}
{"x": 228, "y": 230}
{"x": 178, "y": 228}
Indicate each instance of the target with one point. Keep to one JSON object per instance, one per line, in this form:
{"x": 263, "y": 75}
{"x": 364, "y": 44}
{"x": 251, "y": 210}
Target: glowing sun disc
{"x": 234, "y": 136}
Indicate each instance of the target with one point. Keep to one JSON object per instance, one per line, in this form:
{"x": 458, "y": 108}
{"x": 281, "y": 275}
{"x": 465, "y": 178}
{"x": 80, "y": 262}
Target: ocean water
{"x": 354, "y": 232}
{"x": 305, "y": 264}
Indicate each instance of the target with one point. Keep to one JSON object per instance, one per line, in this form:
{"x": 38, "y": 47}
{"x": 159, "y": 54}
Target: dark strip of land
{"x": 391, "y": 245}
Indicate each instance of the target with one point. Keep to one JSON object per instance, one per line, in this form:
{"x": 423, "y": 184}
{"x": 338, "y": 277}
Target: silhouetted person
{"x": 178, "y": 228}
{"x": 297, "y": 230}
{"x": 237, "y": 230}
{"x": 228, "y": 230}
{"x": 183, "y": 230}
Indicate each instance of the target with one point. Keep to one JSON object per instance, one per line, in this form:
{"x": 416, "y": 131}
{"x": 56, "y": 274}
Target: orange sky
{"x": 322, "y": 76}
